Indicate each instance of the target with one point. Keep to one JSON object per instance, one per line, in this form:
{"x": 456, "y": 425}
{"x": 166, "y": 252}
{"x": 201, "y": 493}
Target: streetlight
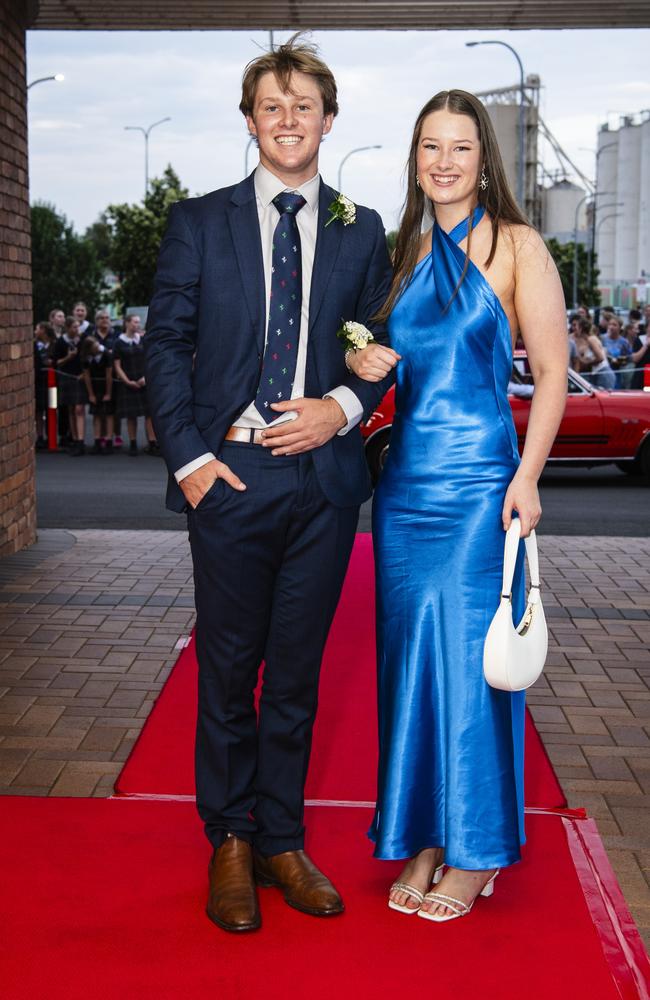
{"x": 592, "y": 242}
{"x": 575, "y": 241}
{"x": 522, "y": 113}
{"x": 58, "y": 77}
{"x": 612, "y": 215}
{"x": 359, "y": 149}
{"x": 248, "y": 146}
{"x": 145, "y": 132}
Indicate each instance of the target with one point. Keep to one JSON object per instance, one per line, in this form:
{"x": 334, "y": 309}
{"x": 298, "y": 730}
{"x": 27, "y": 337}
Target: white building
{"x": 623, "y": 202}
{"x": 564, "y": 203}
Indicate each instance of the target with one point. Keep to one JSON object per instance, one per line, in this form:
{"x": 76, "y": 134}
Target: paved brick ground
{"x": 89, "y": 626}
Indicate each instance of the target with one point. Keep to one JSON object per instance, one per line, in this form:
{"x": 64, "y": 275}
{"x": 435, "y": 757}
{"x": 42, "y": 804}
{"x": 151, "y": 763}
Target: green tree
{"x": 64, "y": 265}
{"x": 391, "y": 239}
{"x": 562, "y": 254}
{"x": 136, "y": 232}
{"x": 100, "y": 235}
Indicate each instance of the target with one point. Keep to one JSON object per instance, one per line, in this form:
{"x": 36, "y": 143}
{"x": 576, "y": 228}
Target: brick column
{"x": 17, "y": 497}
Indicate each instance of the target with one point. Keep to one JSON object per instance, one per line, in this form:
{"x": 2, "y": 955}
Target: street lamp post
{"x": 145, "y": 132}
{"x": 359, "y": 149}
{"x": 605, "y": 218}
{"x": 612, "y": 215}
{"x": 250, "y": 142}
{"x": 592, "y": 241}
{"x": 522, "y": 116}
{"x": 575, "y": 242}
{"x": 58, "y": 77}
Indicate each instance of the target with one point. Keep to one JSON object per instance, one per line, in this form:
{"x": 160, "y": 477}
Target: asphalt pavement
{"x": 119, "y": 491}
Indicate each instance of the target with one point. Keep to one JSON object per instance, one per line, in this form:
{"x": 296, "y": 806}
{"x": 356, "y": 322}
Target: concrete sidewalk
{"x": 89, "y": 629}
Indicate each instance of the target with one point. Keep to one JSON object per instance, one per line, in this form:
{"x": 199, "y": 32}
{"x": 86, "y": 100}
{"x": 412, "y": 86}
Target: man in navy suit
{"x": 257, "y": 417}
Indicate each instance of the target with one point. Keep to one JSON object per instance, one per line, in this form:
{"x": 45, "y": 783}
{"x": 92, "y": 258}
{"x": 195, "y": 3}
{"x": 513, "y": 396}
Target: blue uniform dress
{"x": 451, "y": 747}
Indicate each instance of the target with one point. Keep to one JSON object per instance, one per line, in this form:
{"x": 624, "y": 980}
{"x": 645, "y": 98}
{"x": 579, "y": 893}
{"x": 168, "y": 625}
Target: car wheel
{"x": 377, "y": 453}
{"x": 644, "y": 460}
{"x": 630, "y": 468}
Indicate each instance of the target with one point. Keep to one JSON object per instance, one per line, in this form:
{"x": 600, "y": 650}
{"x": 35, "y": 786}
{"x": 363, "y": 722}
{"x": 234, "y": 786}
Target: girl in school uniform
{"x": 97, "y": 368}
{"x": 44, "y": 340}
{"x": 128, "y": 362}
{"x": 71, "y": 387}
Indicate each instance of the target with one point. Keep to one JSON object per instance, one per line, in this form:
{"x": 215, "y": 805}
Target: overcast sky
{"x": 81, "y": 159}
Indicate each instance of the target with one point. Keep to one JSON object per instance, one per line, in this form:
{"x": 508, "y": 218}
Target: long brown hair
{"x": 497, "y": 199}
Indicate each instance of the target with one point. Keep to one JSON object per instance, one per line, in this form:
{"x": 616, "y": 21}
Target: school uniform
{"x": 71, "y": 388}
{"x": 98, "y": 366}
{"x": 41, "y": 366}
{"x": 130, "y": 353}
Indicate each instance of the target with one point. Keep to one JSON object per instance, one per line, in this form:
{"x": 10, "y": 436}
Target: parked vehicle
{"x": 598, "y": 427}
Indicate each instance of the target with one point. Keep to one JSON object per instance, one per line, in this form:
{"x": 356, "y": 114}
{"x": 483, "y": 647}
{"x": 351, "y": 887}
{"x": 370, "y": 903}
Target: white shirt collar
{"x": 267, "y": 186}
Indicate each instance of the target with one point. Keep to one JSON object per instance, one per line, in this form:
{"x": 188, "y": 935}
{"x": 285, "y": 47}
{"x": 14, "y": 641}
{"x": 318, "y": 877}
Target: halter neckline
{"x": 459, "y": 232}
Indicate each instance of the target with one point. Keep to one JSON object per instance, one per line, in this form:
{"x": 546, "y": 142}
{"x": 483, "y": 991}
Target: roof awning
{"x": 384, "y": 15}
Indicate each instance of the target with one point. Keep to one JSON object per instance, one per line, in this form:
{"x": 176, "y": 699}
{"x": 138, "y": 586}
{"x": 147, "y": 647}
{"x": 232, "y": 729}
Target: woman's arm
{"x": 119, "y": 371}
{"x": 85, "y": 375}
{"x": 65, "y": 358}
{"x": 540, "y": 311}
{"x": 597, "y": 348}
{"x": 372, "y": 363}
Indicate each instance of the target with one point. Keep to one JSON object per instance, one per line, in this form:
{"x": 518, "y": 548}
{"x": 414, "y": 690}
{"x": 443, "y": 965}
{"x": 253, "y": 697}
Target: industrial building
{"x": 622, "y": 223}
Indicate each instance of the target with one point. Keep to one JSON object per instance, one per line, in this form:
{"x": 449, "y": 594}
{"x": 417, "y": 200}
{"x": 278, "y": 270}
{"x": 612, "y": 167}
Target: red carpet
{"x": 345, "y": 738}
{"x": 103, "y": 899}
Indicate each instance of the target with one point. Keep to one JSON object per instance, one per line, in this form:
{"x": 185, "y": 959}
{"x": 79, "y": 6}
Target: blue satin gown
{"x": 451, "y": 747}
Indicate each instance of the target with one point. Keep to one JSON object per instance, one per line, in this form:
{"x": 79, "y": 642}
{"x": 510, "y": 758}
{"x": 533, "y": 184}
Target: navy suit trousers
{"x": 269, "y": 565}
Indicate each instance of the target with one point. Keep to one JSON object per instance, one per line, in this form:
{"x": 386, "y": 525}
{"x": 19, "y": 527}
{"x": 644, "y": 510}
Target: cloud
{"x": 81, "y": 159}
{"x": 54, "y": 125}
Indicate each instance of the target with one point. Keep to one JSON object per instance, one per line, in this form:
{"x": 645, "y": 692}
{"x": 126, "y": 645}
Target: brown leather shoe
{"x": 232, "y": 899}
{"x": 303, "y": 886}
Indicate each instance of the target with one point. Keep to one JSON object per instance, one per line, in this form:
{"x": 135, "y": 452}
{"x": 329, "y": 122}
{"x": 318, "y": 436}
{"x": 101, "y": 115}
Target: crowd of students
{"x": 609, "y": 353}
{"x": 102, "y": 368}
{"x": 99, "y": 367}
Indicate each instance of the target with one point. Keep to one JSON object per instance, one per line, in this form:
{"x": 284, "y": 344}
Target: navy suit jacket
{"x": 206, "y": 329}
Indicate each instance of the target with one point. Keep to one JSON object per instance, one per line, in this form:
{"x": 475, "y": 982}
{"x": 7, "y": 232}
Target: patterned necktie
{"x": 281, "y": 353}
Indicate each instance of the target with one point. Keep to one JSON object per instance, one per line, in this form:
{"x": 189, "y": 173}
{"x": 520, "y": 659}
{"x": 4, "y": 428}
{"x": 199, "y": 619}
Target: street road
{"x": 121, "y": 492}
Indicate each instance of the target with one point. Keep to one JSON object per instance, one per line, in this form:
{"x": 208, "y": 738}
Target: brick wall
{"x": 17, "y": 497}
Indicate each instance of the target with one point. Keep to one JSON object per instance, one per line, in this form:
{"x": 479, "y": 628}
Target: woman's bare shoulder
{"x": 527, "y": 247}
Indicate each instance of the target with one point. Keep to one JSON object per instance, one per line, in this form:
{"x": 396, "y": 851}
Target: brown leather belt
{"x": 244, "y": 435}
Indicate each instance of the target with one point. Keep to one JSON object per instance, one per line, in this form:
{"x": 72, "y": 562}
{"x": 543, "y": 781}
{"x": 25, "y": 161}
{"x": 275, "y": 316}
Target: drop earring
{"x": 483, "y": 181}
{"x": 417, "y": 181}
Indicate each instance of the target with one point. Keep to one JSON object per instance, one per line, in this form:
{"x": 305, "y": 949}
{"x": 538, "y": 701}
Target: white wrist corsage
{"x": 354, "y": 337}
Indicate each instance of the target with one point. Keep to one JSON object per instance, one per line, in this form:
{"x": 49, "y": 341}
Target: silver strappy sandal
{"x": 460, "y": 909}
{"x": 412, "y": 891}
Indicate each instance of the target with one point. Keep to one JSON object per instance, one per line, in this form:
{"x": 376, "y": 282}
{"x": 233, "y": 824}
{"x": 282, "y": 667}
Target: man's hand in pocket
{"x": 197, "y": 484}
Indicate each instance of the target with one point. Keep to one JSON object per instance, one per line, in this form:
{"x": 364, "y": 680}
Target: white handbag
{"x": 514, "y": 657}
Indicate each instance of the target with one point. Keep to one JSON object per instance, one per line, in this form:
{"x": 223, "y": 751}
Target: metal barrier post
{"x": 52, "y": 411}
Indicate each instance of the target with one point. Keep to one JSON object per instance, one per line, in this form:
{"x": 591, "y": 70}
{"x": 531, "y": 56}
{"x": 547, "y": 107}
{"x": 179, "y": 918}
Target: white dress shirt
{"x": 267, "y": 187}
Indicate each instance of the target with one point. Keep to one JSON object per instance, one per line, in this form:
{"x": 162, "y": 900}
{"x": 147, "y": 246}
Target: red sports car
{"x": 598, "y": 426}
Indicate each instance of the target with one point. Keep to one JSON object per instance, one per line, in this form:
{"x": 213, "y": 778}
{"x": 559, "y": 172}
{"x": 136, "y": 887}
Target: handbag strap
{"x": 511, "y": 549}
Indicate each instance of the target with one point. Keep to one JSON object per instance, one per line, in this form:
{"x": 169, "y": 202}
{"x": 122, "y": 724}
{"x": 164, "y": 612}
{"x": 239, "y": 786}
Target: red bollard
{"x": 52, "y": 411}
{"x": 646, "y": 378}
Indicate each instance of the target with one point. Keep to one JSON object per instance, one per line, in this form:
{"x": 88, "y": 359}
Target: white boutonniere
{"x": 343, "y": 209}
{"x": 354, "y": 336}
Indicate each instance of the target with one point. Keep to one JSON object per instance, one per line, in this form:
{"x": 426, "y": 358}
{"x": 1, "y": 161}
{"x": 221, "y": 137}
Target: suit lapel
{"x": 245, "y": 232}
{"x": 328, "y": 242}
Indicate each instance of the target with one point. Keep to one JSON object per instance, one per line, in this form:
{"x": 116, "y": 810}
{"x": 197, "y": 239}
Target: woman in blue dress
{"x": 450, "y": 782}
